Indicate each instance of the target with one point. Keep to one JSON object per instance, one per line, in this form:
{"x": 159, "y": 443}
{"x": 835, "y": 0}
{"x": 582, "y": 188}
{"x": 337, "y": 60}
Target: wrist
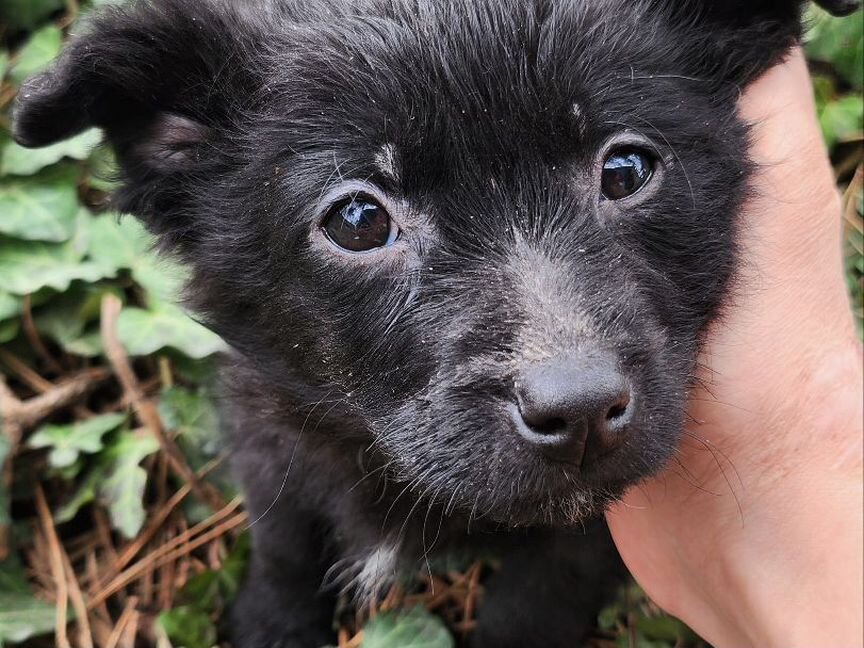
{"x": 786, "y": 556}
{"x": 794, "y": 567}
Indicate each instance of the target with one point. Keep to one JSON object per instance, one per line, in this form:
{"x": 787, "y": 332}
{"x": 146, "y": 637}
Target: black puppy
{"x": 464, "y": 252}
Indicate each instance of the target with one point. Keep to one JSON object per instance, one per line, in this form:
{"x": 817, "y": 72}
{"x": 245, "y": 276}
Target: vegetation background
{"x": 118, "y": 524}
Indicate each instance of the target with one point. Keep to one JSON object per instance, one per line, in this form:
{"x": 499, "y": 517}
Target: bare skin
{"x": 768, "y": 551}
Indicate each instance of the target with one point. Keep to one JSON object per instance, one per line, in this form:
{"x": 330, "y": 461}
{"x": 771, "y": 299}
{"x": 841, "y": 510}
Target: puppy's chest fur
{"x": 374, "y": 529}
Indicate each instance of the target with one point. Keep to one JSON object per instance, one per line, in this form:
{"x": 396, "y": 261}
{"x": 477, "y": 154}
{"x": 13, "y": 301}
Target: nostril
{"x": 619, "y": 407}
{"x": 549, "y": 426}
{"x": 617, "y": 411}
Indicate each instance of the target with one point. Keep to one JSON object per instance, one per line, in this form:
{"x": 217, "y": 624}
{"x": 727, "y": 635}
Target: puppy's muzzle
{"x": 574, "y": 409}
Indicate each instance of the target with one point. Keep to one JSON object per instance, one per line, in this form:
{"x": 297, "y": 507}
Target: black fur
{"x": 368, "y": 394}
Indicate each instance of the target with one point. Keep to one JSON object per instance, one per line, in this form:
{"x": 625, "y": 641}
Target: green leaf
{"x": 4, "y": 64}
{"x": 122, "y": 490}
{"x": 188, "y": 627}
{"x": 17, "y": 160}
{"x": 9, "y": 330}
{"x": 143, "y": 332}
{"x": 414, "y": 629}
{"x": 89, "y": 345}
{"x": 67, "y": 442}
{"x": 840, "y": 42}
{"x": 117, "y": 243}
{"x": 41, "y": 207}
{"x": 608, "y": 617}
{"x": 124, "y": 243}
{"x": 5, "y": 498}
{"x": 117, "y": 481}
{"x": 38, "y": 52}
{"x": 10, "y": 306}
{"x": 842, "y": 120}
{"x": 661, "y": 627}
{"x": 28, "y": 266}
{"x": 21, "y": 615}
{"x": 103, "y": 170}
{"x": 27, "y": 14}
{"x": 193, "y": 417}
{"x": 85, "y": 494}
{"x": 67, "y": 317}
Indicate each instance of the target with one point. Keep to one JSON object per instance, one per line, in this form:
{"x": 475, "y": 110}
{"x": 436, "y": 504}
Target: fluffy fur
{"x": 368, "y": 409}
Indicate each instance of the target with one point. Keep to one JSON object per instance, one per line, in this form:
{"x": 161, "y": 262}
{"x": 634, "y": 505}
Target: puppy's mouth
{"x": 493, "y": 465}
{"x": 550, "y": 442}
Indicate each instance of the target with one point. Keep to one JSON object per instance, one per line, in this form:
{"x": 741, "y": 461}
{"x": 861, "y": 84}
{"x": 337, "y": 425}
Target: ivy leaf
{"x": 118, "y": 243}
{"x": 193, "y": 417}
{"x": 143, "y": 332}
{"x": 26, "y": 14}
{"x": 5, "y": 498}
{"x": 123, "y": 487}
{"x": 118, "y": 481}
{"x": 67, "y": 442}
{"x": 21, "y": 615}
{"x": 29, "y": 266}
{"x": 842, "y": 120}
{"x": 38, "y": 52}
{"x": 40, "y": 207}
{"x": 67, "y": 317}
{"x": 189, "y": 627}
{"x": 124, "y": 243}
{"x": 89, "y": 345}
{"x": 103, "y": 170}
{"x": 415, "y": 629}
{"x": 9, "y": 306}
{"x": 838, "y": 41}
{"x": 9, "y": 330}
{"x": 85, "y": 494}
{"x": 17, "y": 160}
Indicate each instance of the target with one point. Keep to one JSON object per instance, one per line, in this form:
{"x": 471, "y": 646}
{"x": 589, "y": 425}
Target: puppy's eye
{"x": 359, "y": 224}
{"x": 625, "y": 172}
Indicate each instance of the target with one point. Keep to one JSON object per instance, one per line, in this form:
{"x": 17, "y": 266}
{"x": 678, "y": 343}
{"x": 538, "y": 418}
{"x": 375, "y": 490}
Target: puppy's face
{"x": 491, "y": 231}
{"x": 507, "y": 234}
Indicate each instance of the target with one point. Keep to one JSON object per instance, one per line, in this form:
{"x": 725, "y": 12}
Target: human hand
{"x": 753, "y": 536}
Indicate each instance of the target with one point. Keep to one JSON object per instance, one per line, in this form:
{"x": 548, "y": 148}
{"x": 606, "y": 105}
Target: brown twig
{"x": 471, "y": 598}
{"x": 147, "y": 534}
{"x": 29, "y": 377}
{"x": 101, "y": 615}
{"x": 71, "y": 14}
{"x": 13, "y": 432}
{"x": 131, "y": 631}
{"x": 33, "y": 337}
{"x": 177, "y": 547}
{"x": 57, "y": 570}
{"x": 85, "y": 638}
{"x": 136, "y": 570}
{"x": 156, "y": 523}
{"x": 118, "y": 633}
{"x": 27, "y": 414}
{"x": 145, "y": 409}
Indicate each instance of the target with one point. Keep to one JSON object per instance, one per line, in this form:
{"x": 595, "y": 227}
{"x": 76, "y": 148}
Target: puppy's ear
{"x": 742, "y": 38}
{"x": 163, "y": 78}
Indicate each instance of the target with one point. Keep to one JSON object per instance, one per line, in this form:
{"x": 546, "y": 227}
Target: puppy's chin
{"x": 558, "y": 510}
{"x": 511, "y": 490}
{"x": 553, "y": 497}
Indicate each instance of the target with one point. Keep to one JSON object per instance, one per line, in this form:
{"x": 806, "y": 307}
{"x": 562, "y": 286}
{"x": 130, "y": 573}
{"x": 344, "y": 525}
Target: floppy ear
{"x": 742, "y": 38}
{"x": 163, "y": 79}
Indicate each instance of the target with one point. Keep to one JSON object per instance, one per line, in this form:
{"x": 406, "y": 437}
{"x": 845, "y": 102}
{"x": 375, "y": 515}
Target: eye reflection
{"x": 625, "y": 172}
{"x": 359, "y": 224}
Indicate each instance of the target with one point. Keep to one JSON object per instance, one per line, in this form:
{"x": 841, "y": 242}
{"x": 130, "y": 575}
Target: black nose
{"x": 574, "y": 409}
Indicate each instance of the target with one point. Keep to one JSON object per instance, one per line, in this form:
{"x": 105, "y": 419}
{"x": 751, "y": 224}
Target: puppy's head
{"x": 493, "y": 231}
